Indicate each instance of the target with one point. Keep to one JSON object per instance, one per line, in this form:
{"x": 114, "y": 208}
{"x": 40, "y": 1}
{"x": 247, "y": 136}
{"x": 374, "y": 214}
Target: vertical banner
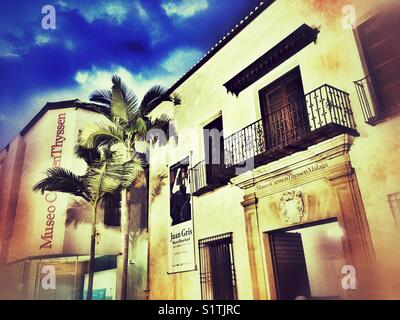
{"x": 181, "y": 254}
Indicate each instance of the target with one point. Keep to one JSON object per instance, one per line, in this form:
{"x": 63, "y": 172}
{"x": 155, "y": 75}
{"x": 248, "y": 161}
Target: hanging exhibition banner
{"x": 181, "y": 254}
{"x": 53, "y": 223}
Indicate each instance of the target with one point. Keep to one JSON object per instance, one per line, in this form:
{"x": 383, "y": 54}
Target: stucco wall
{"x": 334, "y": 60}
{"x": 28, "y": 157}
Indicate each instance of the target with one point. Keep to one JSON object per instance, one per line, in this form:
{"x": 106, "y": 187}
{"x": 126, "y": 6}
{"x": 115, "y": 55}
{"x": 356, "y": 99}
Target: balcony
{"x": 322, "y": 114}
{"x": 208, "y": 177}
{"x": 367, "y": 99}
{"x": 377, "y": 103}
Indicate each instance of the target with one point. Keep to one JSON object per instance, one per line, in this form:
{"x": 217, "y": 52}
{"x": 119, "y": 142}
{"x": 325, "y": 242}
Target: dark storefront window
{"x": 217, "y": 270}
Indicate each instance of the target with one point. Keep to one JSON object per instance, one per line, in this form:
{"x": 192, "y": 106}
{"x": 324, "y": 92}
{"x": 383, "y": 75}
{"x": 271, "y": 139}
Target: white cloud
{"x": 112, "y": 12}
{"x": 141, "y": 11}
{"x": 69, "y": 45}
{"x": 174, "y": 65}
{"x": 90, "y": 80}
{"x": 41, "y": 39}
{"x": 181, "y": 60}
{"x": 150, "y": 23}
{"x": 116, "y": 11}
{"x": 7, "y": 50}
{"x": 184, "y": 8}
{"x": 8, "y": 55}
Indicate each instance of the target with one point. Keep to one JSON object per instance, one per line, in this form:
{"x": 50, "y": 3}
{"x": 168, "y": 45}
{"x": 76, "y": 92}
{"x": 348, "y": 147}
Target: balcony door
{"x": 284, "y": 110}
{"x": 214, "y": 150}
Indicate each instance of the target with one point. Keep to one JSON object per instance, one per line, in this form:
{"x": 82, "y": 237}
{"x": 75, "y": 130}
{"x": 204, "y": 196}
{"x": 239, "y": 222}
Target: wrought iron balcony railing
{"x": 323, "y": 113}
{"x": 379, "y": 97}
{"x": 207, "y": 177}
{"x": 367, "y": 98}
{"x": 199, "y": 177}
{"x": 245, "y": 144}
{"x": 328, "y": 105}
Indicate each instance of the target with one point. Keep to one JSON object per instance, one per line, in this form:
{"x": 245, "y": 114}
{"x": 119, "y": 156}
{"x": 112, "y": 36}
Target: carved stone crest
{"x": 291, "y": 207}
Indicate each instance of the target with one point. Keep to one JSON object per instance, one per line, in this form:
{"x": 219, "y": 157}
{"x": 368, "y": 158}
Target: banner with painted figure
{"x": 181, "y": 254}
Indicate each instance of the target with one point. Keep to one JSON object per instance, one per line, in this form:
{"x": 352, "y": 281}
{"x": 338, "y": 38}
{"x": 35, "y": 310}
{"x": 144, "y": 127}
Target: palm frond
{"x": 110, "y": 174}
{"x": 140, "y": 127}
{"x": 86, "y": 154}
{"x": 158, "y": 182}
{"x": 104, "y": 110}
{"x": 153, "y": 97}
{"x": 143, "y": 157}
{"x": 102, "y": 96}
{"x": 124, "y": 103}
{"x": 99, "y": 182}
{"x": 131, "y": 171}
{"x": 100, "y": 134}
{"x": 176, "y": 99}
{"x": 161, "y": 122}
{"x": 164, "y": 124}
{"x": 63, "y": 180}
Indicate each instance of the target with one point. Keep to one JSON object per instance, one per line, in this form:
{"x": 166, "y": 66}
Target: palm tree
{"x": 106, "y": 173}
{"x": 128, "y": 123}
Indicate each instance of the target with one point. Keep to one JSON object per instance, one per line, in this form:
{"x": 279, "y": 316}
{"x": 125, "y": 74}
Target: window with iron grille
{"x": 217, "y": 269}
{"x": 394, "y": 202}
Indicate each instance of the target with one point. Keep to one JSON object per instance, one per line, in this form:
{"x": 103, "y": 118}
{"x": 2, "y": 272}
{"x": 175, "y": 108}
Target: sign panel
{"x": 53, "y": 223}
{"x": 181, "y": 254}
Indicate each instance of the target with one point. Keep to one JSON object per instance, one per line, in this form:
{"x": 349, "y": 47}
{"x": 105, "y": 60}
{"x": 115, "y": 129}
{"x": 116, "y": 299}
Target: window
{"x": 214, "y": 151}
{"x": 394, "y": 202}
{"x": 214, "y": 141}
{"x": 217, "y": 270}
{"x": 112, "y": 214}
{"x": 380, "y": 43}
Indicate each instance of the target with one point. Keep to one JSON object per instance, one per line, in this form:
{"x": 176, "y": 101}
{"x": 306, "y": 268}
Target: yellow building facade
{"x": 283, "y": 172}
{"x": 52, "y": 230}
{"x": 298, "y": 198}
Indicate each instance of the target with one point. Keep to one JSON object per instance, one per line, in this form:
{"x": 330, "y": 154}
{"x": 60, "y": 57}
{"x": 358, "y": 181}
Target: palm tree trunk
{"x": 92, "y": 256}
{"x": 125, "y": 226}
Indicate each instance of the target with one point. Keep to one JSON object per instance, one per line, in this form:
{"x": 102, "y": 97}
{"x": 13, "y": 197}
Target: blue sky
{"x": 146, "y": 42}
